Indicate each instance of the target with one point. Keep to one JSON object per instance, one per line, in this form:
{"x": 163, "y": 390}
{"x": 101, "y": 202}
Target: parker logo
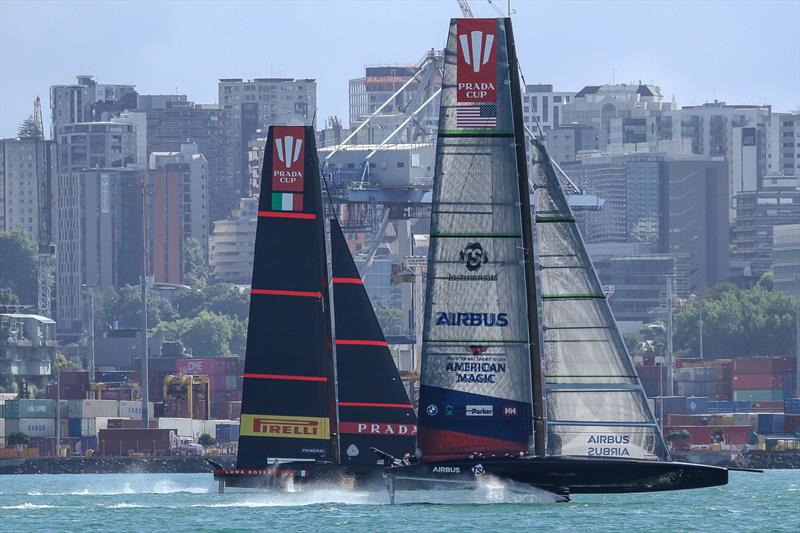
{"x": 480, "y": 410}
{"x": 377, "y": 428}
{"x": 287, "y": 161}
{"x": 476, "y": 75}
{"x": 292, "y": 427}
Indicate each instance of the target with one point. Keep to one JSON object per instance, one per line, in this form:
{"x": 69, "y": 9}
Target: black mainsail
{"x": 288, "y": 408}
{"x": 374, "y": 409}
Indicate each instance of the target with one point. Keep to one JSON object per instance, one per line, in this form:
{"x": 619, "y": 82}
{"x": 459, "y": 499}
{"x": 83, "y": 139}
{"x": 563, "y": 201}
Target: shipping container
{"x": 227, "y": 433}
{"x": 184, "y": 427}
{"x": 758, "y": 395}
{"x": 30, "y": 409}
{"x": 767, "y": 406}
{"x": 235, "y": 410}
{"x": 201, "y": 366}
{"x": 93, "y": 408}
{"x": 697, "y": 404}
{"x": 792, "y": 424}
{"x": 133, "y": 409}
{"x": 671, "y": 405}
{"x": 763, "y": 365}
{"x": 703, "y": 435}
{"x": 136, "y": 441}
{"x": 32, "y": 427}
{"x": 770, "y": 424}
{"x": 86, "y": 445}
{"x": 791, "y": 406}
{"x": 757, "y": 381}
{"x": 74, "y": 427}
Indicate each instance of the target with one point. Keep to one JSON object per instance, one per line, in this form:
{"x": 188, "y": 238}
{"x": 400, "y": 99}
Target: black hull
{"x": 304, "y": 474}
{"x": 561, "y": 475}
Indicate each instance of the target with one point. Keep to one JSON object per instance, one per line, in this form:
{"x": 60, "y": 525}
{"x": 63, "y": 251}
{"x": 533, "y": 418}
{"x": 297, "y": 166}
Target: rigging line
{"x": 330, "y": 198}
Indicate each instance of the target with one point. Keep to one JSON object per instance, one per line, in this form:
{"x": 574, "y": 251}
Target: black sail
{"x": 374, "y": 409}
{"x": 288, "y": 399}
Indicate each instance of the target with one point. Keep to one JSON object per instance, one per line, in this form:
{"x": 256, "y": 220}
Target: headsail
{"x": 475, "y": 394}
{"x": 288, "y": 396}
{"x": 595, "y": 403}
{"x": 374, "y": 409}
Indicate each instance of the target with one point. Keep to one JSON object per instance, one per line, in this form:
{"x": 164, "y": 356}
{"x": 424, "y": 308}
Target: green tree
{"x": 123, "y": 307}
{"x": 736, "y": 322}
{"x": 29, "y": 129}
{"x": 18, "y": 440}
{"x": 18, "y": 268}
{"x": 206, "y": 441}
{"x": 208, "y": 335}
{"x": 195, "y": 267}
{"x": 225, "y": 299}
{"x": 7, "y": 297}
{"x": 390, "y": 319}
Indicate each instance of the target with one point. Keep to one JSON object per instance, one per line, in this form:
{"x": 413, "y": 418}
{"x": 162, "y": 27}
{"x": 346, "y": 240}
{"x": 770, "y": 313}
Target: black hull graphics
{"x": 560, "y": 475}
{"x": 303, "y": 474}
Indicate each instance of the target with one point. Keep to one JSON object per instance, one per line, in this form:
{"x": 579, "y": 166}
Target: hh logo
{"x": 476, "y": 64}
{"x": 509, "y": 410}
{"x": 292, "y": 427}
{"x": 288, "y": 158}
{"x": 476, "y": 47}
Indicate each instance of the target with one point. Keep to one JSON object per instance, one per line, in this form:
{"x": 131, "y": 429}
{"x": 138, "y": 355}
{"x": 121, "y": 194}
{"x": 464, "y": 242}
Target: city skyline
{"x": 161, "y": 64}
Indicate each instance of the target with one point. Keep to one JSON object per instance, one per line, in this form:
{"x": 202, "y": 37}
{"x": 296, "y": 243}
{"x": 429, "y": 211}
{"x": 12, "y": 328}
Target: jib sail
{"x": 288, "y": 396}
{"x": 475, "y": 394}
{"x": 595, "y": 403}
{"x": 374, "y": 409}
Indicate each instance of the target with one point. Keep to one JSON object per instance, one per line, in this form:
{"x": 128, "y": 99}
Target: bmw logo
{"x": 432, "y": 409}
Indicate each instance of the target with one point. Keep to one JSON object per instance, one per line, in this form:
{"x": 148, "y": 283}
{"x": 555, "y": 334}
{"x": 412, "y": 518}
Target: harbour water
{"x": 189, "y": 502}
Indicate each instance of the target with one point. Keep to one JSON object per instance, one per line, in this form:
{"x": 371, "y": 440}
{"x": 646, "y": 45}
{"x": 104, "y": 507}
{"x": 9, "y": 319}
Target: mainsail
{"x": 476, "y": 382}
{"x": 288, "y": 397}
{"x": 374, "y": 409}
{"x": 595, "y": 403}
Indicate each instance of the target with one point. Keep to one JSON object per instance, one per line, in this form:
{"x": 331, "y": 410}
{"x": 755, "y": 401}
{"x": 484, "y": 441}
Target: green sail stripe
{"x": 554, "y": 218}
{"x": 568, "y": 296}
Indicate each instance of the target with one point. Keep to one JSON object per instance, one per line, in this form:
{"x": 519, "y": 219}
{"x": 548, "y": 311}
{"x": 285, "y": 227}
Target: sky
{"x": 737, "y": 52}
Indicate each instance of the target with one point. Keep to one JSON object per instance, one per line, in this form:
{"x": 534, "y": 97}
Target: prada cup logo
{"x": 476, "y": 48}
{"x": 288, "y": 149}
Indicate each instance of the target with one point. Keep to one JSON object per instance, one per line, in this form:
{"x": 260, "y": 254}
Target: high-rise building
{"x": 182, "y": 178}
{"x": 675, "y": 204}
{"x": 253, "y": 105}
{"x": 27, "y": 177}
{"x": 565, "y": 141}
{"x": 786, "y": 258}
{"x": 542, "y": 106}
{"x": 232, "y": 243}
{"x": 88, "y": 145}
{"x": 88, "y": 101}
{"x": 181, "y": 122}
{"x": 757, "y": 213}
{"x": 783, "y": 145}
{"x": 98, "y": 237}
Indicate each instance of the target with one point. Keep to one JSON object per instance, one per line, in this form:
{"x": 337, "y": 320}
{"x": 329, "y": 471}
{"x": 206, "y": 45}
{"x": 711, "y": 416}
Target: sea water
{"x": 190, "y": 502}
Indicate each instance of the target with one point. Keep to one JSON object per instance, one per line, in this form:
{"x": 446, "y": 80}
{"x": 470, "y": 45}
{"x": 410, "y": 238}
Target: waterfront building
{"x": 783, "y": 145}
{"x": 542, "y": 106}
{"x": 232, "y": 242}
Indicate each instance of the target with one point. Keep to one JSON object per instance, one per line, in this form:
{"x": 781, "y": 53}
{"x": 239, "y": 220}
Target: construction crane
{"x": 465, "y": 9}
{"x": 47, "y": 250}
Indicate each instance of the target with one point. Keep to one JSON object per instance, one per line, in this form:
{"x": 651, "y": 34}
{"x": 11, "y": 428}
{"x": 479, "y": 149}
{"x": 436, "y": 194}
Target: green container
{"x": 758, "y": 395}
{"x": 30, "y": 409}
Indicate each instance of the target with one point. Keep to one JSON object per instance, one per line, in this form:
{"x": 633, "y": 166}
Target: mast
{"x": 537, "y": 385}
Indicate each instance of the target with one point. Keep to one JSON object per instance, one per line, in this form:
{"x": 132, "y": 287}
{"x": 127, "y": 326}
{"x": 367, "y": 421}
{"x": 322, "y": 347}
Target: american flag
{"x": 480, "y": 116}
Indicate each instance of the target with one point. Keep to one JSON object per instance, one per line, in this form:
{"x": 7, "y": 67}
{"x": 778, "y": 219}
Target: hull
{"x": 563, "y": 476}
{"x": 300, "y": 474}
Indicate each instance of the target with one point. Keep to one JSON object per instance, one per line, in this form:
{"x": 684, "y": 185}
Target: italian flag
{"x": 286, "y": 201}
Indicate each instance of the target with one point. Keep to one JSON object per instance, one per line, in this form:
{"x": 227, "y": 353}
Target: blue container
{"x": 791, "y": 406}
{"x": 742, "y": 406}
{"x": 88, "y": 443}
{"x": 721, "y": 406}
{"x": 771, "y": 423}
{"x": 697, "y": 405}
{"x": 74, "y": 427}
{"x": 227, "y": 432}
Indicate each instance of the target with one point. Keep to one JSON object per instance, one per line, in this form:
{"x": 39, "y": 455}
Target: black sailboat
{"x": 291, "y": 426}
{"x": 524, "y": 373}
